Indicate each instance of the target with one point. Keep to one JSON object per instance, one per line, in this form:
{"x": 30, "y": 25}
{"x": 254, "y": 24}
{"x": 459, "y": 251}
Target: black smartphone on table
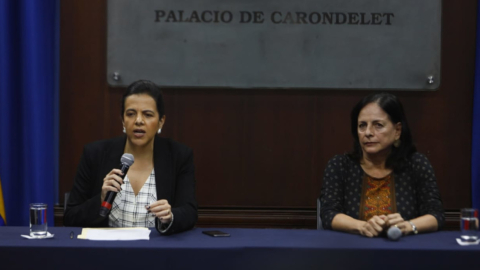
{"x": 216, "y": 233}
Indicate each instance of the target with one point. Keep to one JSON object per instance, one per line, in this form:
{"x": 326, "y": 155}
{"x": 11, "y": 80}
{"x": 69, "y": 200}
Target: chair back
{"x": 319, "y": 219}
{"x": 67, "y": 194}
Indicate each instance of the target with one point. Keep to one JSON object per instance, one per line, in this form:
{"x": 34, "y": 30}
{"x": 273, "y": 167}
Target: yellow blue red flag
{"x": 3, "y": 217}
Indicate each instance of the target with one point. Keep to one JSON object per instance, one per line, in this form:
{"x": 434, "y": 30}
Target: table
{"x": 245, "y": 249}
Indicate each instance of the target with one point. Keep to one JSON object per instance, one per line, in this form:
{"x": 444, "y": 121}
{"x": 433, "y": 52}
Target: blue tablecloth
{"x": 245, "y": 249}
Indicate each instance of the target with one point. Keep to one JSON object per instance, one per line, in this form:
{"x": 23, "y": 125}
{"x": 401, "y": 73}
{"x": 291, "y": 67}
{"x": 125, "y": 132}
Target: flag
{"x": 3, "y": 217}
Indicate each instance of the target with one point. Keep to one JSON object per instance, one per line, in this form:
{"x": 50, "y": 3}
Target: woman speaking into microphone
{"x": 158, "y": 189}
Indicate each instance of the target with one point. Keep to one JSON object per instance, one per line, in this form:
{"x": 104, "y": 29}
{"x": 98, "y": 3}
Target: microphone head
{"x": 127, "y": 159}
{"x": 394, "y": 233}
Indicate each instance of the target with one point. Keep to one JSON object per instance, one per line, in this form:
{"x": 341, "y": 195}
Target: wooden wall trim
{"x": 257, "y": 218}
{"x": 452, "y": 220}
{"x": 241, "y": 218}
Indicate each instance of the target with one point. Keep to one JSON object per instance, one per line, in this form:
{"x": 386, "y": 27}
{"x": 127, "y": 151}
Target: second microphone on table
{"x": 394, "y": 233}
{"x": 126, "y": 161}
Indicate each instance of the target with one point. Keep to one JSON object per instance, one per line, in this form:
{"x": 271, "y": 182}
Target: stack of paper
{"x": 113, "y": 234}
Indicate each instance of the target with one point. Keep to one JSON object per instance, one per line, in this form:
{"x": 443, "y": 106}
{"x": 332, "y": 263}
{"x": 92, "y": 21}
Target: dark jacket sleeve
{"x": 332, "y": 191}
{"x": 84, "y": 200}
{"x": 184, "y": 204}
{"x": 428, "y": 194}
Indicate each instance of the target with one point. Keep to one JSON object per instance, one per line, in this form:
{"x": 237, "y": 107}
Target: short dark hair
{"x": 148, "y": 88}
{"x": 393, "y": 107}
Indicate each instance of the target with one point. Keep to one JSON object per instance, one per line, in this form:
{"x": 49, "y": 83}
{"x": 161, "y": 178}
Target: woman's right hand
{"x": 111, "y": 182}
{"x": 374, "y": 226}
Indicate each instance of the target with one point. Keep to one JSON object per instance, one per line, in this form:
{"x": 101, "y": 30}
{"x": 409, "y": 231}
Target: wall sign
{"x": 341, "y": 44}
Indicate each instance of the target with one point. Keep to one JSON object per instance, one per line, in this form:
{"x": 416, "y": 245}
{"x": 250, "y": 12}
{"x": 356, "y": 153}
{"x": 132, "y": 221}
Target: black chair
{"x": 67, "y": 194}
{"x": 319, "y": 219}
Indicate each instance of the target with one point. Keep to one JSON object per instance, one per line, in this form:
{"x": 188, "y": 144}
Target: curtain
{"x": 476, "y": 123}
{"x": 28, "y": 75}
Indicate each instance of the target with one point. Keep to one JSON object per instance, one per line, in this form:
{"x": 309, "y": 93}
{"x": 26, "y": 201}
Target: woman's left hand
{"x": 405, "y": 227}
{"x": 162, "y": 210}
{"x": 394, "y": 219}
{"x": 398, "y": 221}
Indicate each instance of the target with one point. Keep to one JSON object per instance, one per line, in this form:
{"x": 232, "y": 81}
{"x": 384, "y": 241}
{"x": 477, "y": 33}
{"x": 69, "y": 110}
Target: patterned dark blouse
{"x": 416, "y": 190}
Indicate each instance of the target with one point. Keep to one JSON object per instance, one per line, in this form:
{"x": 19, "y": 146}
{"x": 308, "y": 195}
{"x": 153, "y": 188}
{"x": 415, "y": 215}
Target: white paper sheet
{"x": 115, "y": 234}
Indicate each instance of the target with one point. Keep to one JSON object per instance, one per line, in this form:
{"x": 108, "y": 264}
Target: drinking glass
{"x": 469, "y": 225}
{"x": 38, "y": 220}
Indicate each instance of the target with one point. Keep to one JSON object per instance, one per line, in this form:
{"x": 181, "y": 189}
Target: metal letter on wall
{"x": 334, "y": 44}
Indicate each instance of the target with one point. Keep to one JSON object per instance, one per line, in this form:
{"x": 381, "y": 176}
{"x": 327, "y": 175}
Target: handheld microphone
{"x": 394, "y": 233}
{"x": 126, "y": 162}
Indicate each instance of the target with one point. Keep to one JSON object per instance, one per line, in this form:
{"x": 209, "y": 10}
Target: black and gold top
{"x": 378, "y": 196}
{"x": 412, "y": 192}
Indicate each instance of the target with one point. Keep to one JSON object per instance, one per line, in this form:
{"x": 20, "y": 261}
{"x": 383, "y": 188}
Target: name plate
{"x": 312, "y": 44}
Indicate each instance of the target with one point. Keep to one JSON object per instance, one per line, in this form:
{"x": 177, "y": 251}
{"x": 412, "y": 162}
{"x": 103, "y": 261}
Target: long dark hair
{"x": 392, "y": 106}
{"x": 148, "y": 88}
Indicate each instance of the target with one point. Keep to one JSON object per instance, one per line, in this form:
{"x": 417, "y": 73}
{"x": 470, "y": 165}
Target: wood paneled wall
{"x": 260, "y": 154}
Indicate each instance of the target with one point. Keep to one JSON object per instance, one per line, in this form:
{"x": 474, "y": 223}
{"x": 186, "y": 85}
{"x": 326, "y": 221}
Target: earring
{"x": 159, "y": 131}
{"x": 396, "y": 143}
{"x": 124, "y": 130}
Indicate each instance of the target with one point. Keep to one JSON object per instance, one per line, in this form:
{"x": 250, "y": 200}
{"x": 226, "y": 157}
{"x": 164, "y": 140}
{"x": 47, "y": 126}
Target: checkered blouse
{"x": 129, "y": 210}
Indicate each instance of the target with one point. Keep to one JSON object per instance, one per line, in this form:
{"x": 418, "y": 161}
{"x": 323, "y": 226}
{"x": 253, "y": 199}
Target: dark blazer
{"x": 174, "y": 179}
